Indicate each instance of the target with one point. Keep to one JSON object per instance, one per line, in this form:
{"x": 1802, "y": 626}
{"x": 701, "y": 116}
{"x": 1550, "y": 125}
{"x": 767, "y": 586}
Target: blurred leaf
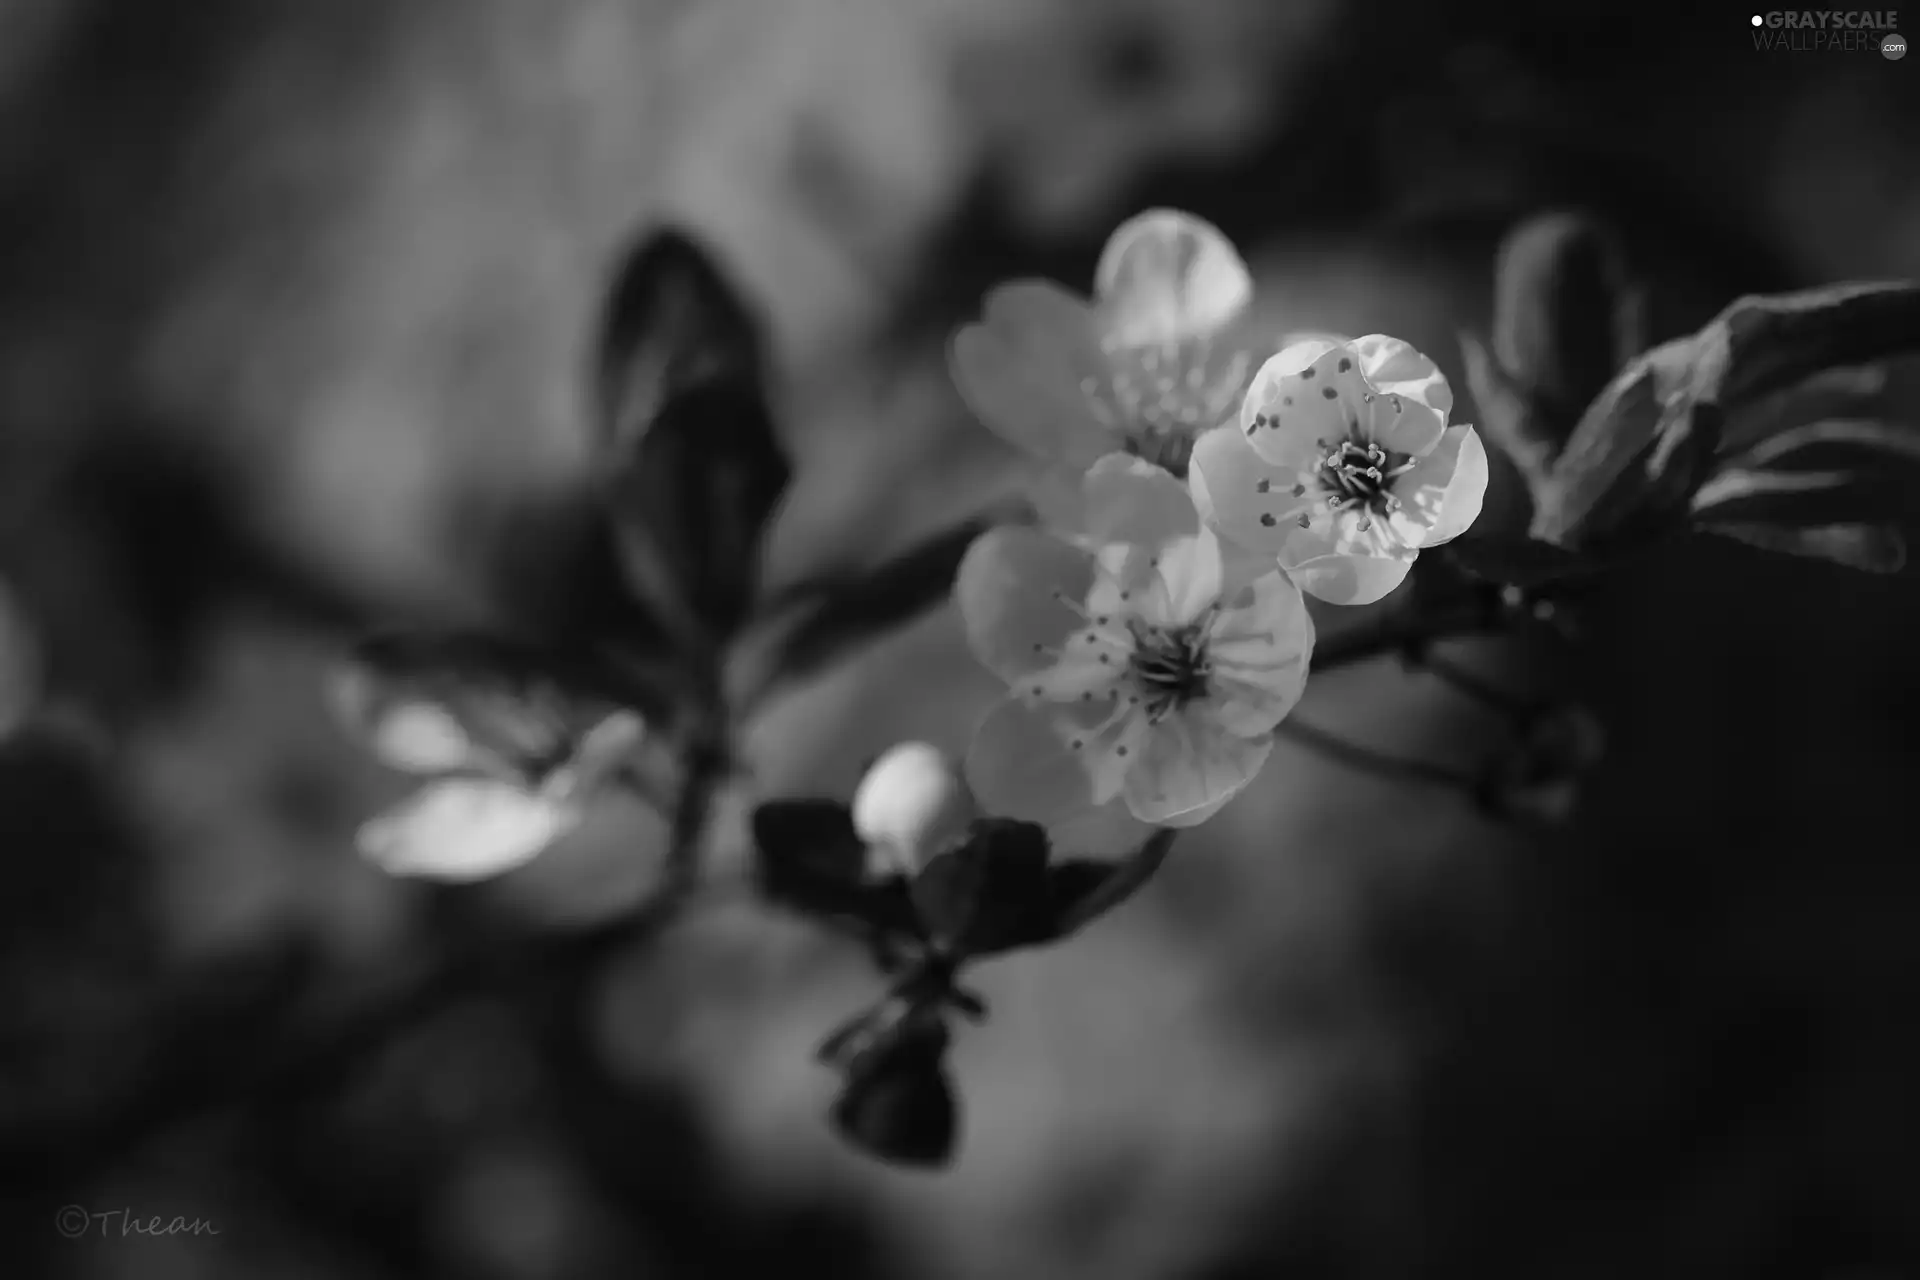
{"x": 809, "y": 858}
{"x": 1871, "y": 548}
{"x": 1506, "y": 415}
{"x": 1537, "y": 777}
{"x": 1565, "y": 315}
{"x": 1083, "y": 890}
{"x": 1519, "y": 562}
{"x": 434, "y": 703}
{"x": 695, "y": 466}
{"x": 829, "y": 618}
{"x": 990, "y": 894}
{"x": 19, "y": 664}
{"x": 898, "y": 1103}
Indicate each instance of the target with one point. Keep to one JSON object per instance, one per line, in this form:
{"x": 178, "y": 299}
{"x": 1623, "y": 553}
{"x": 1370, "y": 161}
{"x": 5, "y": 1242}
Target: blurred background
{"x": 295, "y": 302}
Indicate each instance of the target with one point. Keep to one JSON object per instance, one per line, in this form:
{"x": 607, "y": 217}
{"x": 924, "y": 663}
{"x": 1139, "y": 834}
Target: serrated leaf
{"x": 695, "y": 465}
{"x": 808, "y": 857}
{"x": 1635, "y": 457}
{"x": 1869, "y": 548}
{"x": 1773, "y": 342}
{"x": 1836, "y": 394}
{"x": 989, "y": 894}
{"x": 1645, "y": 444}
{"x": 1820, "y": 475}
{"x": 1795, "y": 498}
{"x": 1862, "y": 442}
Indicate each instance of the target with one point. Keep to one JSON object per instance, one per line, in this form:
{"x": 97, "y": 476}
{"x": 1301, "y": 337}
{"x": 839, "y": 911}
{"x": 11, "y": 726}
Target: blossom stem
{"x": 1479, "y": 689}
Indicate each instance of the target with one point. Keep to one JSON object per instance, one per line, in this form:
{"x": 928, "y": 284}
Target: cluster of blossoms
{"x": 1193, "y": 485}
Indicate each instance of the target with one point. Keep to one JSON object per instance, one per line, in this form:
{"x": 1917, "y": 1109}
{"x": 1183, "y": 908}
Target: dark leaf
{"x": 1645, "y": 444}
{"x": 1836, "y": 490}
{"x": 1506, "y": 416}
{"x": 1778, "y": 341}
{"x": 1518, "y": 562}
{"x": 883, "y": 1030}
{"x": 1797, "y": 498}
{"x": 898, "y": 1103}
{"x": 808, "y": 858}
{"x": 1565, "y": 317}
{"x": 1862, "y": 443}
{"x": 1537, "y": 778}
{"x": 1872, "y": 548}
{"x": 823, "y": 621}
{"x": 434, "y": 702}
{"x": 1081, "y": 890}
{"x": 695, "y": 466}
{"x": 1837, "y": 394}
{"x": 1635, "y": 458}
{"x": 991, "y": 893}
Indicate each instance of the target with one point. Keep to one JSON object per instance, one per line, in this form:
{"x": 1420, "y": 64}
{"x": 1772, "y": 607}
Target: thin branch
{"x": 1369, "y": 760}
{"x": 1495, "y": 698}
{"x": 1398, "y": 633}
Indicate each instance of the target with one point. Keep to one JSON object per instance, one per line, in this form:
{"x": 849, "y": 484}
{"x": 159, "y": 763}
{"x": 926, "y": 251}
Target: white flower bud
{"x": 911, "y": 805}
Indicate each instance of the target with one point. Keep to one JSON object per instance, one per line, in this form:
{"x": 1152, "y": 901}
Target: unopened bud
{"x": 912, "y": 804}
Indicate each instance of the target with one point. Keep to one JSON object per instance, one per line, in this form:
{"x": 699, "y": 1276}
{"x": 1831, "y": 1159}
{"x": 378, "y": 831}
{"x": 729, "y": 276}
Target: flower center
{"x": 1171, "y": 667}
{"x": 1159, "y": 398}
{"x": 1360, "y": 473}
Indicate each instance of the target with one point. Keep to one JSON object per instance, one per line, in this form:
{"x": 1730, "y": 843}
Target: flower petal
{"x": 1173, "y": 585}
{"x": 1024, "y": 369}
{"x": 1412, "y": 398}
{"x": 420, "y": 738}
{"x": 1345, "y": 578}
{"x": 1019, "y": 765}
{"x": 1249, "y": 500}
{"x": 1166, "y": 277}
{"x": 1189, "y": 765}
{"x": 1259, "y": 647}
{"x": 1090, "y": 664}
{"x": 1010, "y": 591}
{"x": 1059, "y": 497}
{"x": 1301, "y": 403}
{"x": 1441, "y": 496}
{"x": 1130, "y": 500}
{"x": 1194, "y": 817}
{"x": 604, "y": 749}
{"x": 464, "y": 829}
